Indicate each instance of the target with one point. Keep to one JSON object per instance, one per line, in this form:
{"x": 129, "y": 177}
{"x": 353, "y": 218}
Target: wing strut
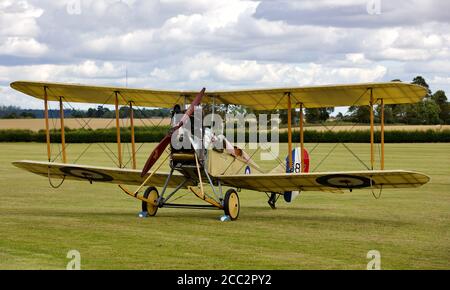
{"x": 202, "y": 194}
{"x": 382, "y": 134}
{"x": 47, "y": 125}
{"x": 372, "y": 133}
{"x": 289, "y": 131}
{"x": 135, "y": 194}
{"x": 119, "y": 144}
{"x": 302, "y": 139}
{"x": 63, "y": 130}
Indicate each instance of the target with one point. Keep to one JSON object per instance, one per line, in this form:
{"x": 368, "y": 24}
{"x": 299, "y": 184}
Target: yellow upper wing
{"x": 329, "y": 181}
{"x": 258, "y": 99}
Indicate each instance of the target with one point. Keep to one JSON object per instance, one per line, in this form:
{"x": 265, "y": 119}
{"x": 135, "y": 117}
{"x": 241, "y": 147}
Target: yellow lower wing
{"x": 97, "y": 174}
{"x": 329, "y": 181}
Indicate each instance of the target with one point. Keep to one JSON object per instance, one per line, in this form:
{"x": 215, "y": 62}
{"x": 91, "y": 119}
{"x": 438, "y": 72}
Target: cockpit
{"x": 195, "y": 137}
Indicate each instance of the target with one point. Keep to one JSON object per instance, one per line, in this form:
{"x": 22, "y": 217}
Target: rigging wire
{"x": 136, "y": 107}
{"x": 280, "y": 161}
{"x": 345, "y": 146}
{"x": 87, "y": 125}
{"x": 356, "y": 156}
{"x": 54, "y": 129}
{"x": 251, "y": 157}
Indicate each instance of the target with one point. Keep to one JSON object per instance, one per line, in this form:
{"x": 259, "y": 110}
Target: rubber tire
{"x": 229, "y": 197}
{"x": 145, "y": 206}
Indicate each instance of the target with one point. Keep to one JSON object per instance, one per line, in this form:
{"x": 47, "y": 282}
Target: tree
{"x": 100, "y": 112}
{"x": 125, "y": 112}
{"x": 419, "y": 80}
{"x": 398, "y": 113}
{"x": 10, "y": 116}
{"x": 360, "y": 114}
{"x": 388, "y": 114}
{"x": 425, "y": 112}
{"x": 284, "y": 115}
{"x": 223, "y": 110}
{"x": 447, "y": 121}
{"x": 340, "y": 117}
{"x": 77, "y": 114}
{"x": 429, "y": 112}
{"x": 27, "y": 115}
{"x": 440, "y": 99}
{"x": 318, "y": 115}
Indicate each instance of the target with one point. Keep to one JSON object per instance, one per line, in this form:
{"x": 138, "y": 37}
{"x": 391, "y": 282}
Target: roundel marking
{"x": 345, "y": 181}
{"x": 87, "y": 174}
{"x": 248, "y": 170}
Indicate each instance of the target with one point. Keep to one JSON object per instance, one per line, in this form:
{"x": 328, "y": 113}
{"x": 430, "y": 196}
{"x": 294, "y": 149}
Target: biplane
{"x": 225, "y": 171}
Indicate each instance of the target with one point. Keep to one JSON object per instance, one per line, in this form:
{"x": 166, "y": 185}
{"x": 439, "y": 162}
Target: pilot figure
{"x": 175, "y": 111}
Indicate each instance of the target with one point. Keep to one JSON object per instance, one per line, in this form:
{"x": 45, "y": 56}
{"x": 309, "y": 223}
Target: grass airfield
{"x": 410, "y": 228}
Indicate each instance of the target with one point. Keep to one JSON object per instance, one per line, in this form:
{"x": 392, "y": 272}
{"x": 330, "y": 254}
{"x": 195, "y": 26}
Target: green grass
{"x": 411, "y": 228}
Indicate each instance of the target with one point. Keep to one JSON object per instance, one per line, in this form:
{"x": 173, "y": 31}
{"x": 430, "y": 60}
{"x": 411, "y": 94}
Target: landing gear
{"x": 151, "y": 207}
{"x": 273, "y": 201}
{"x": 231, "y": 204}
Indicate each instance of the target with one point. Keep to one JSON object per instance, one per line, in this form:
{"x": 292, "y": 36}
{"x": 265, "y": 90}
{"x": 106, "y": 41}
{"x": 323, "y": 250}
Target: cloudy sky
{"x": 221, "y": 44}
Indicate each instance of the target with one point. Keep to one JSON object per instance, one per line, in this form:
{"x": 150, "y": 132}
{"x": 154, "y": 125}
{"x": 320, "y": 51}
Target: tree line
{"x": 12, "y": 112}
{"x": 432, "y": 110}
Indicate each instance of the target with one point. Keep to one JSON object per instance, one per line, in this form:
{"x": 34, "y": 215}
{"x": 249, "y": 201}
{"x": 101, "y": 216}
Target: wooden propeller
{"x": 159, "y": 150}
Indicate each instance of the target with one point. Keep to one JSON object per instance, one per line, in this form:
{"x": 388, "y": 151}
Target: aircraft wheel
{"x": 151, "y": 208}
{"x": 231, "y": 204}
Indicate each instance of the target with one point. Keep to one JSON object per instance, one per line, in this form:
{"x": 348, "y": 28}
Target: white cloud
{"x": 18, "y": 18}
{"x": 24, "y": 47}
{"x": 351, "y": 13}
{"x": 14, "y": 98}
{"x": 178, "y": 44}
{"x": 19, "y": 29}
{"x": 441, "y": 81}
{"x": 220, "y": 73}
{"x": 356, "y": 58}
{"x": 85, "y": 71}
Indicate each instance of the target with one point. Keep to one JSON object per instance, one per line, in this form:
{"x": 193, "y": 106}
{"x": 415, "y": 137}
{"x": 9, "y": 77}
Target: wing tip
{"x": 14, "y": 84}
